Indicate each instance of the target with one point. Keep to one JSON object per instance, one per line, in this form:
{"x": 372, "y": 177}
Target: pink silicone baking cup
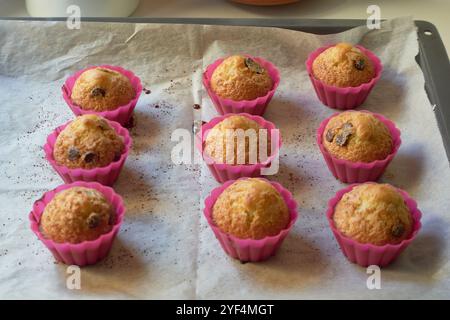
{"x": 223, "y": 172}
{"x": 343, "y": 98}
{"x": 366, "y": 254}
{"x": 87, "y": 252}
{"x": 357, "y": 172}
{"x": 250, "y": 250}
{"x": 105, "y": 175}
{"x": 121, "y": 114}
{"x": 257, "y": 106}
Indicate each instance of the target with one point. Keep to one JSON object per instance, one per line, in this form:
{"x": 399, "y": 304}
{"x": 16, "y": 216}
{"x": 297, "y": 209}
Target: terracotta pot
{"x": 265, "y": 2}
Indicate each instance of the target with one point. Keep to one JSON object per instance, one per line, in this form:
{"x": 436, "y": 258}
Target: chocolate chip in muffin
{"x": 74, "y": 154}
{"x": 97, "y": 92}
{"x": 348, "y": 126}
{"x": 197, "y": 107}
{"x": 89, "y": 157}
{"x": 330, "y": 135}
{"x": 93, "y": 220}
{"x": 398, "y": 230}
{"x": 253, "y": 66}
{"x": 343, "y": 137}
{"x": 360, "y": 64}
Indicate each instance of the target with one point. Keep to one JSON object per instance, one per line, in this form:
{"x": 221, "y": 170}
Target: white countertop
{"x": 434, "y": 11}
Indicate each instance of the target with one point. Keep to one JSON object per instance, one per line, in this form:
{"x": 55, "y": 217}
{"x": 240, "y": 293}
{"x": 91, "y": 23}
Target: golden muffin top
{"x": 77, "y": 214}
{"x": 251, "y": 208}
{"x": 88, "y": 142}
{"x": 373, "y": 213}
{"x": 357, "y": 136}
{"x": 343, "y": 65}
{"x": 240, "y": 78}
{"x": 225, "y": 134}
{"x": 102, "y": 89}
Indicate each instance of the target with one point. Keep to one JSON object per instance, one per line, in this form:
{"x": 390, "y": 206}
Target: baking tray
{"x": 432, "y": 57}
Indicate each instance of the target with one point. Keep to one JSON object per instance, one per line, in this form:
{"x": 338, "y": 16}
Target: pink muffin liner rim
{"x": 286, "y": 194}
{"x": 110, "y": 114}
{"x": 411, "y": 204}
{"x": 36, "y": 214}
{"x": 202, "y": 135}
{"x": 49, "y": 148}
{"x": 394, "y": 131}
{"x": 270, "y": 67}
{"x": 365, "y": 86}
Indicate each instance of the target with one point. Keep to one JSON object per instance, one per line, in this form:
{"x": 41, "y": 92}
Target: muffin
{"x": 216, "y": 141}
{"x": 250, "y": 208}
{"x": 358, "y": 137}
{"x": 88, "y": 142}
{"x": 240, "y": 78}
{"x": 373, "y": 213}
{"x": 77, "y": 214}
{"x": 343, "y": 65}
{"x": 100, "y": 89}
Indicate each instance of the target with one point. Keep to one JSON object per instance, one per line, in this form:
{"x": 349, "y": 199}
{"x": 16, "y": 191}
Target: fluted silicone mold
{"x": 223, "y": 172}
{"x": 257, "y": 106}
{"x": 87, "y": 252}
{"x": 348, "y": 97}
{"x": 250, "y": 250}
{"x": 356, "y": 172}
{"x": 366, "y": 254}
{"x": 105, "y": 175}
{"x": 121, "y": 114}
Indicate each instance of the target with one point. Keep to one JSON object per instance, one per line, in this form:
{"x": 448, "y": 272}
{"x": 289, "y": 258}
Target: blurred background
{"x": 435, "y": 11}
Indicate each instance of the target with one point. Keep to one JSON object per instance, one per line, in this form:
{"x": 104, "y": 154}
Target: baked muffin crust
{"x": 343, "y": 65}
{"x": 102, "y": 89}
{"x": 77, "y": 214}
{"x": 373, "y": 213}
{"x": 358, "y": 137}
{"x": 88, "y": 142}
{"x": 251, "y": 208}
{"x": 216, "y": 140}
{"x": 240, "y": 78}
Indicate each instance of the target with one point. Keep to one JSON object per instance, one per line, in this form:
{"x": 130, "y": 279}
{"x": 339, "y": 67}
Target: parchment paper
{"x": 165, "y": 248}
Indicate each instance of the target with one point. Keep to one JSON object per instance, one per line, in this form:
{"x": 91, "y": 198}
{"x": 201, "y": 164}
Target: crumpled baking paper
{"x": 165, "y": 248}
